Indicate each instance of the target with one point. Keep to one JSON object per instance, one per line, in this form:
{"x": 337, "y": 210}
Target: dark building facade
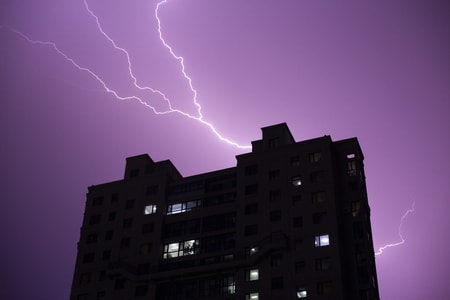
{"x": 291, "y": 220}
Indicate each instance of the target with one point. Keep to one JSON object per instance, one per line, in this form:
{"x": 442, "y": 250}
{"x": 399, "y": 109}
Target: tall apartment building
{"x": 290, "y": 221}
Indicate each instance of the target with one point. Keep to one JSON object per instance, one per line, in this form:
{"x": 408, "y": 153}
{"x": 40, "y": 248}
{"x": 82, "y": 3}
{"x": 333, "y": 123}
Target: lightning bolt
{"x": 402, "y": 240}
{"x": 116, "y": 94}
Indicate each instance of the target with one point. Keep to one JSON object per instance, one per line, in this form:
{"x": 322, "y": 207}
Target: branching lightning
{"x": 402, "y": 240}
{"x": 116, "y": 94}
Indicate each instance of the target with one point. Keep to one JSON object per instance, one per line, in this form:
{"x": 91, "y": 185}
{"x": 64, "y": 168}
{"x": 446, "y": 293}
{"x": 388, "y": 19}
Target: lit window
{"x": 356, "y": 207}
{"x": 324, "y": 288}
{"x": 323, "y": 264}
{"x": 301, "y": 293}
{"x": 351, "y": 168}
{"x": 228, "y": 285}
{"x": 315, "y": 157}
{"x": 252, "y": 275}
{"x": 253, "y": 250}
{"x": 184, "y": 248}
{"x": 150, "y": 209}
{"x": 145, "y": 249}
{"x": 351, "y": 155}
{"x": 252, "y": 296}
{"x": 182, "y": 207}
{"x": 322, "y": 240}
{"x": 295, "y": 161}
{"x": 318, "y": 197}
{"x": 296, "y": 181}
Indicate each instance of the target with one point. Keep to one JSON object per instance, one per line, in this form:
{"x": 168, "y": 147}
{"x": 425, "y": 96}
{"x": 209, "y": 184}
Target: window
{"x": 322, "y": 240}
{"x": 141, "y": 291}
{"x": 295, "y": 161}
{"x": 112, "y": 216}
{"x": 151, "y": 190}
{"x": 300, "y": 267}
{"x": 252, "y": 296}
{"x": 129, "y": 203}
{"x": 134, "y": 173}
{"x": 296, "y": 181}
{"x": 102, "y": 275}
{"x": 274, "y": 142}
{"x": 319, "y": 218}
{"x": 114, "y": 197}
{"x": 358, "y": 230}
{"x": 212, "y": 223}
{"x": 323, "y": 264}
{"x": 296, "y": 200}
{"x": 363, "y": 275}
{"x": 318, "y": 197}
{"x": 251, "y": 208}
{"x": 145, "y": 249}
{"x": 109, "y": 235}
{"x": 150, "y": 209}
{"x": 228, "y": 285}
{"x": 274, "y": 175}
{"x": 182, "y": 207}
{"x": 147, "y": 227}
{"x": 277, "y": 283}
{"x": 298, "y": 243}
{"x": 252, "y": 251}
{"x": 127, "y": 223}
{"x": 125, "y": 242}
{"x": 315, "y": 157}
{"x": 301, "y": 293}
{"x": 184, "y": 248}
{"x": 275, "y": 215}
{"x": 274, "y": 196}
{"x": 324, "y": 288}
{"x": 251, "y": 230}
{"x": 88, "y": 257}
{"x": 251, "y": 170}
{"x": 95, "y": 219}
{"x": 119, "y": 283}
{"x": 143, "y": 269}
{"x": 106, "y": 255}
{"x": 317, "y": 176}
{"x": 297, "y": 222}
{"x": 91, "y": 238}
{"x": 350, "y": 155}
{"x": 351, "y": 168}
{"x": 85, "y": 278}
{"x": 275, "y": 260}
{"x": 82, "y": 297}
{"x": 101, "y": 295}
{"x": 252, "y": 275}
{"x": 354, "y": 185}
{"x": 356, "y": 207}
{"x": 97, "y": 201}
{"x": 251, "y": 189}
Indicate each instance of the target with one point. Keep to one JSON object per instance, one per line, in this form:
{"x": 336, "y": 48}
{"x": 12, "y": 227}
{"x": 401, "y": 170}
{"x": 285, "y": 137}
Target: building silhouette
{"x": 291, "y": 220}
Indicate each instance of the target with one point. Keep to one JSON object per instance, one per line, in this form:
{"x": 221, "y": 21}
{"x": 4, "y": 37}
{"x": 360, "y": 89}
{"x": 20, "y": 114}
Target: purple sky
{"x": 378, "y": 70}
